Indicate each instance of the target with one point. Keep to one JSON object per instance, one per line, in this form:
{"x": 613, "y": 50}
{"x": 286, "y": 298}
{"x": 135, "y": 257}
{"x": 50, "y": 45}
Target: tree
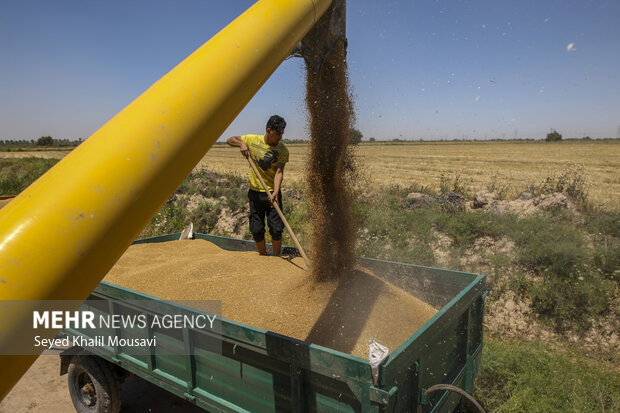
{"x": 371, "y": 140}
{"x": 554, "y": 136}
{"x": 355, "y": 136}
{"x": 45, "y": 141}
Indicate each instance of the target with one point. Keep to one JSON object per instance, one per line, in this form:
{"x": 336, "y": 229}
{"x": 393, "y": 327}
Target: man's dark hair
{"x": 276, "y": 123}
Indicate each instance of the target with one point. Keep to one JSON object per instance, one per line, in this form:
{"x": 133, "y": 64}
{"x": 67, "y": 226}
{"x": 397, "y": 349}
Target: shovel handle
{"x": 277, "y": 207}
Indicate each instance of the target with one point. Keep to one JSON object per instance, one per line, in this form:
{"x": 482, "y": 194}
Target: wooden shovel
{"x": 277, "y": 207}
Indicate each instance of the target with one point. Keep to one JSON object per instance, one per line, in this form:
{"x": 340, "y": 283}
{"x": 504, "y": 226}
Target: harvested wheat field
{"x": 45, "y": 154}
{"x": 507, "y": 165}
{"x": 276, "y": 294}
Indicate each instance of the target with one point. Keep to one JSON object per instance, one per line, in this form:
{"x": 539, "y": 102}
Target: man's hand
{"x": 245, "y": 151}
{"x": 273, "y": 198}
{"x": 236, "y": 141}
{"x": 277, "y": 181}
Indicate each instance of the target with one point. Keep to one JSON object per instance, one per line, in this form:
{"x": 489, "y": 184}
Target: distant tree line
{"x": 355, "y": 137}
{"x": 42, "y": 142}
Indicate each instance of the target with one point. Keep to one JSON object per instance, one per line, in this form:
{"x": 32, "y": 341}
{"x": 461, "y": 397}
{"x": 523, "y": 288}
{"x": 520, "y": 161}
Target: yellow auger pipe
{"x": 61, "y": 235}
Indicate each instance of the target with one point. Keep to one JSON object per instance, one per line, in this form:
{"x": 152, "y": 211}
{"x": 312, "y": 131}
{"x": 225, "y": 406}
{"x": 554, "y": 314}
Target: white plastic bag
{"x": 188, "y": 232}
{"x": 377, "y": 354}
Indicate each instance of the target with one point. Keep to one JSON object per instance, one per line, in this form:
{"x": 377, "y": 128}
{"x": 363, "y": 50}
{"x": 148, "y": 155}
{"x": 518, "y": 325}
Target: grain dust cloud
{"x": 330, "y": 166}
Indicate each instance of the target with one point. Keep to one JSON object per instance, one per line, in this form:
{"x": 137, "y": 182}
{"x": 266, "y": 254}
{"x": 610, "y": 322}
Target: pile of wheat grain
{"x": 276, "y": 294}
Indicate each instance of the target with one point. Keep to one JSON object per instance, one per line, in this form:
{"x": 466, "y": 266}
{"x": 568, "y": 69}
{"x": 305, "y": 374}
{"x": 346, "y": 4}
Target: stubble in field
{"x": 510, "y": 165}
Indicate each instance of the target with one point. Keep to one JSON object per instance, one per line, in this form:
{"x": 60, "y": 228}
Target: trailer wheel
{"x": 93, "y": 385}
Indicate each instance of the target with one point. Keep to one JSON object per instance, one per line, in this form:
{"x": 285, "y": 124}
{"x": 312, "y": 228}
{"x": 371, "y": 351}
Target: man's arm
{"x": 237, "y": 142}
{"x": 277, "y": 182}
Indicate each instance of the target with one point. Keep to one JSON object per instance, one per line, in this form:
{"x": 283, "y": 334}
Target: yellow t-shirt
{"x": 266, "y": 159}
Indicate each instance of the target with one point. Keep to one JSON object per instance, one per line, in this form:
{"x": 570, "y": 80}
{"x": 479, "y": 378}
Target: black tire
{"x": 93, "y": 385}
{"x": 113, "y": 377}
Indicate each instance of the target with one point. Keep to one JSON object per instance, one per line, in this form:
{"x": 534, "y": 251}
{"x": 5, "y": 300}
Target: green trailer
{"x": 263, "y": 371}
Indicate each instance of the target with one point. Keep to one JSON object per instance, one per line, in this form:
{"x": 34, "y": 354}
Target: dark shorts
{"x": 260, "y": 207}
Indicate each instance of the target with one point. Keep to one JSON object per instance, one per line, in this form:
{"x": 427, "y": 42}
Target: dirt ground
{"x": 42, "y": 389}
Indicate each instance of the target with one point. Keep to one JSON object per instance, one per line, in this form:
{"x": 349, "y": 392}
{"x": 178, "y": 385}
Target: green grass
{"x": 574, "y": 282}
{"x": 604, "y": 223}
{"x": 546, "y": 246}
{"x": 16, "y": 174}
{"x": 521, "y": 376}
{"x": 215, "y": 191}
{"x": 604, "y": 229}
{"x": 386, "y": 231}
{"x": 465, "y": 227}
{"x": 570, "y": 281}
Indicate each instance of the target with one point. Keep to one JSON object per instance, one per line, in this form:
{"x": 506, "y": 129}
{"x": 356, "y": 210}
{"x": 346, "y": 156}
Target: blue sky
{"x": 418, "y": 69}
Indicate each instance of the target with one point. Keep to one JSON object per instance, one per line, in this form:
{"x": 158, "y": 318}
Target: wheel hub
{"x": 87, "y": 389}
